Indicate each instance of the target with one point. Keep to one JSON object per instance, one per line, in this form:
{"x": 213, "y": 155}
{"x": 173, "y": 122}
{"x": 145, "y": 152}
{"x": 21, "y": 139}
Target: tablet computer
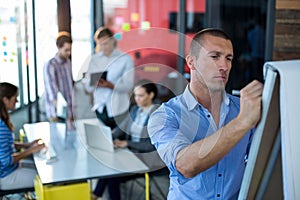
{"x": 95, "y": 77}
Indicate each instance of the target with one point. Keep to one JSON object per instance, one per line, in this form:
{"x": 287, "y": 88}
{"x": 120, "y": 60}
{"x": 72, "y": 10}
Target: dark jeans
{"x": 113, "y": 185}
{"x": 111, "y": 122}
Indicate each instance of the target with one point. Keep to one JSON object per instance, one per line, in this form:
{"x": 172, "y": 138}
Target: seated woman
{"x": 132, "y": 133}
{"x": 12, "y": 174}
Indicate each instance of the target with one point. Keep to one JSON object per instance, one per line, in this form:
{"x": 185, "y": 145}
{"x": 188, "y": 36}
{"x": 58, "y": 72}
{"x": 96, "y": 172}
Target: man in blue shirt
{"x": 204, "y": 134}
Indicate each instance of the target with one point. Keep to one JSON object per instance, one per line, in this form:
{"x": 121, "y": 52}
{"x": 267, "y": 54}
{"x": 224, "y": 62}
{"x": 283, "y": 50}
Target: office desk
{"x": 75, "y": 161}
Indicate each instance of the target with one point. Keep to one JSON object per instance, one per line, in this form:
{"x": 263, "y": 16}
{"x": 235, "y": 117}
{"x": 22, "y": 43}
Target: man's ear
{"x": 152, "y": 95}
{"x": 190, "y": 61}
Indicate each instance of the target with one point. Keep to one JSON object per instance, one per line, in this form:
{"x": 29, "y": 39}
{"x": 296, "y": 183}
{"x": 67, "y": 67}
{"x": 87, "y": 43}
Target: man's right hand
{"x": 54, "y": 102}
{"x": 250, "y": 105}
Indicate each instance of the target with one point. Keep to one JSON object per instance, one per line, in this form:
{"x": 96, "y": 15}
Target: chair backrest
{"x": 160, "y": 172}
{"x": 14, "y": 191}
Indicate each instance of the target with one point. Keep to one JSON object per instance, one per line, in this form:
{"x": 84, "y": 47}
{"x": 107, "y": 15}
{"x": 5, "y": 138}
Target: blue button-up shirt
{"x": 183, "y": 121}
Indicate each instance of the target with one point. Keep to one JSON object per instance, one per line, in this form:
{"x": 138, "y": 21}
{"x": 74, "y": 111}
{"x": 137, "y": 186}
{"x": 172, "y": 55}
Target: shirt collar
{"x": 59, "y": 59}
{"x": 189, "y": 98}
{"x": 192, "y": 102}
{"x": 114, "y": 53}
{"x": 225, "y": 98}
{"x": 147, "y": 111}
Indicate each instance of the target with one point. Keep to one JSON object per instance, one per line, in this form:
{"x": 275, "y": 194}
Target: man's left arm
{"x": 50, "y": 83}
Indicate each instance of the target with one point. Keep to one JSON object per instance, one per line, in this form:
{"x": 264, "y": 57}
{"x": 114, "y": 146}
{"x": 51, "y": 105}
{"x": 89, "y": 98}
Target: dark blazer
{"x": 143, "y": 149}
{"x": 122, "y": 131}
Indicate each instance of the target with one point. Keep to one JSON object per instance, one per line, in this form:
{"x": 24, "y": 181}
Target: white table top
{"x": 75, "y": 161}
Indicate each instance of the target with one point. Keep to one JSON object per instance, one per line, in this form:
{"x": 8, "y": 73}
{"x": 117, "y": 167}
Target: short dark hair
{"x": 149, "y": 86}
{"x": 197, "y": 41}
{"x": 61, "y": 40}
{"x": 105, "y": 32}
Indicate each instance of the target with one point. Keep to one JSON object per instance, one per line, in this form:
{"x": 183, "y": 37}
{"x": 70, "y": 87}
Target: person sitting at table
{"x": 12, "y": 174}
{"x": 132, "y": 133}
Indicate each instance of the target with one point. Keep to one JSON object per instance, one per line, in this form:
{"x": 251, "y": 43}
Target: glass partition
{"x": 149, "y": 28}
{"x": 148, "y": 31}
{"x": 145, "y": 29}
{"x": 12, "y": 44}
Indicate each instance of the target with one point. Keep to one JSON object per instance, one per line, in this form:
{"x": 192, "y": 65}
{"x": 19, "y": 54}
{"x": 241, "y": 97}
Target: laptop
{"x": 99, "y": 137}
{"x": 98, "y": 140}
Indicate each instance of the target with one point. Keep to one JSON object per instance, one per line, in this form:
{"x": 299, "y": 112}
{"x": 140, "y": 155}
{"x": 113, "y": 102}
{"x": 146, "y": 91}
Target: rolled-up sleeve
{"x": 165, "y": 135}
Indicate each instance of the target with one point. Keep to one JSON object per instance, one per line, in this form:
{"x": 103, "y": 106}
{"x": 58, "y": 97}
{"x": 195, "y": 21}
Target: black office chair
{"x": 4, "y": 193}
{"x": 135, "y": 182}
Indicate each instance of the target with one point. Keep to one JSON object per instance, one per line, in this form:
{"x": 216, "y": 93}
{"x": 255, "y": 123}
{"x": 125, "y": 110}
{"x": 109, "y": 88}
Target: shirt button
{"x": 208, "y": 116}
{"x": 219, "y": 175}
{"x": 218, "y": 195}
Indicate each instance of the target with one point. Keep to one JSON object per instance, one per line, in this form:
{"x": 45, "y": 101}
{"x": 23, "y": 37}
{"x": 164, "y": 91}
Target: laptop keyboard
{"x": 48, "y": 154}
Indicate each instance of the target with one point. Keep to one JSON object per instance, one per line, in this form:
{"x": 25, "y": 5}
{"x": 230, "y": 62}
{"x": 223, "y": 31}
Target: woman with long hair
{"x": 132, "y": 133}
{"x": 12, "y": 174}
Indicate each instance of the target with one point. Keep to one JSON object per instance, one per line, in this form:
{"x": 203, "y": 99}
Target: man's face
{"x": 106, "y": 44}
{"x": 214, "y": 63}
{"x": 65, "y": 50}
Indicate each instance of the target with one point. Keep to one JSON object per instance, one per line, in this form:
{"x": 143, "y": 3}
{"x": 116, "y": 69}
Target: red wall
{"x": 158, "y": 44}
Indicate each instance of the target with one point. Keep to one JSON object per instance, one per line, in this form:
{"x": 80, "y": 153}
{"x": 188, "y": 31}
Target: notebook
{"x": 99, "y": 137}
{"x": 49, "y": 154}
{"x": 61, "y": 106}
{"x": 95, "y": 77}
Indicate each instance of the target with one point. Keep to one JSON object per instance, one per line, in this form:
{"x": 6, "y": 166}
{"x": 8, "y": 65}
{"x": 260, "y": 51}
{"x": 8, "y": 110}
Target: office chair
{"x": 3, "y": 193}
{"x": 152, "y": 182}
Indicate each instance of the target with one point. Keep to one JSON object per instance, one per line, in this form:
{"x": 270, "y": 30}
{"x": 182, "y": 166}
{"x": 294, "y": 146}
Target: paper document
{"x": 61, "y": 106}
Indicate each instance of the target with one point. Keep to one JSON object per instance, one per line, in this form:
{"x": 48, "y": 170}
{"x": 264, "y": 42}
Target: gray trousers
{"x": 22, "y": 177}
